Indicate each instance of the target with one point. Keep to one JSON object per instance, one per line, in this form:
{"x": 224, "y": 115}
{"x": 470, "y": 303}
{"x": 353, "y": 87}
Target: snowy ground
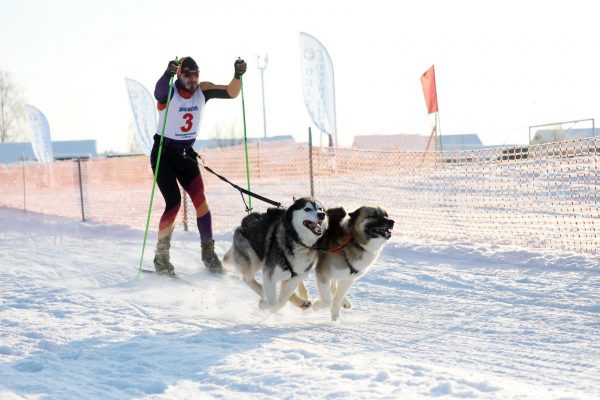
{"x": 429, "y": 321}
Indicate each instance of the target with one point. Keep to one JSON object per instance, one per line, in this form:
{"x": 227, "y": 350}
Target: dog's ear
{"x": 336, "y": 214}
{"x": 354, "y": 214}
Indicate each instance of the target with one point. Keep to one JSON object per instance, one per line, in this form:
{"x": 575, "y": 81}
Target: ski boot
{"x": 210, "y": 259}
{"x": 162, "y": 262}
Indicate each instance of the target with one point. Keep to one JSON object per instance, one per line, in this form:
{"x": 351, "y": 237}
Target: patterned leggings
{"x": 175, "y": 167}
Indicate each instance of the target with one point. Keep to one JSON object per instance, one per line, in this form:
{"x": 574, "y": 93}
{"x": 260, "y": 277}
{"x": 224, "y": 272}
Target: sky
{"x": 428, "y": 321}
{"x": 500, "y": 66}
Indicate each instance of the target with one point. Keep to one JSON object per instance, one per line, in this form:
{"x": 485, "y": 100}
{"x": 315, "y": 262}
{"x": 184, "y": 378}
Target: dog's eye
{"x": 307, "y": 209}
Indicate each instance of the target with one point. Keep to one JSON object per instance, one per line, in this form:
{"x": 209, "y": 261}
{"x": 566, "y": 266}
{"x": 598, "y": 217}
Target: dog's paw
{"x": 305, "y": 304}
{"x": 335, "y": 315}
{"x": 346, "y": 303}
{"x": 263, "y": 304}
{"x": 318, "y": 304}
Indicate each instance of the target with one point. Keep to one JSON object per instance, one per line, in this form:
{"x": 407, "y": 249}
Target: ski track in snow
{"x": 430, "y": 320}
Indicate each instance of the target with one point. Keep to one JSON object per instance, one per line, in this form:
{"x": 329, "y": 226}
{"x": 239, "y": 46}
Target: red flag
{"x": 429, "y": 90}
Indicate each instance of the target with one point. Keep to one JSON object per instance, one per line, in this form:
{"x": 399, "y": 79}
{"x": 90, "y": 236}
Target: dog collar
{"x": 303, "y": 245}
{"x": 344, "y": 243}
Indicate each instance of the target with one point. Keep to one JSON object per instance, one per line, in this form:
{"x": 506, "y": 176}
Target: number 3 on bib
{"x": 188, "y": 122}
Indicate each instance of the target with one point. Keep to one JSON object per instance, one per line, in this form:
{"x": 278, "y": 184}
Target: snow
{"x": 429, "y": 320}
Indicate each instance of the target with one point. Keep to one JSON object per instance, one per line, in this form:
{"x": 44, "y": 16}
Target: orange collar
{"x": 344, "y": 243}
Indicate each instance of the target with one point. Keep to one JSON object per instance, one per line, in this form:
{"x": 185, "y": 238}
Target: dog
{"x": 350, "y": 245}
{"x": 281, "y": 244}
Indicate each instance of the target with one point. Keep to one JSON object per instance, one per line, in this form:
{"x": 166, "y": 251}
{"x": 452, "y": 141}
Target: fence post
{"x": 24, "y": 194}
{"x": 310, "y": 163}
{"x": 258, "y": 160}
{"x": 80, "y": 188}
{"x": 185, "y": 211}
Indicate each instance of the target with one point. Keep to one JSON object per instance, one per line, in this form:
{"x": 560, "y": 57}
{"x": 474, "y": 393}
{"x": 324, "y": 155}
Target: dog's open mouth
{"x": 314, "y": 227}
{"x": 384, "y": 232}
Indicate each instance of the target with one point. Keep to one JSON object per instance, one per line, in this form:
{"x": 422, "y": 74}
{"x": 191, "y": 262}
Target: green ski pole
{"x": 162, "y": 135}
{"x": 246, "y": 144}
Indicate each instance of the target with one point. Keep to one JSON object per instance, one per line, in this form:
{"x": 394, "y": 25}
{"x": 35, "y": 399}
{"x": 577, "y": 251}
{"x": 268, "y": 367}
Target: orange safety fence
{"x": 540, "y": 196}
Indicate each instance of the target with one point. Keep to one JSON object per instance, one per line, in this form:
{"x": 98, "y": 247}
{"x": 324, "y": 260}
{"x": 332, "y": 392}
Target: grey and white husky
{"x": 352, "y": 245}
{"x": 281, "y": 244}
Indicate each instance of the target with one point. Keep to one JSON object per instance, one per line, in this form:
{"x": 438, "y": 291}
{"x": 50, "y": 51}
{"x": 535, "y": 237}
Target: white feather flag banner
{"x": 143, "y": 107}
{"x": 318, "y": 82}
{"x": 39, "y": 134}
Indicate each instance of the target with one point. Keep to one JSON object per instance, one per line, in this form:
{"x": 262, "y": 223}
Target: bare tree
{"x": 227, "y": 134}
{"x": 134, "y": 146}
{"x": 12, "y": 114}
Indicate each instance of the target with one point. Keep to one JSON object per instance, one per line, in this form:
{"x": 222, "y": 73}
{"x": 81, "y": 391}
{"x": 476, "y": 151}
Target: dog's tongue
{"x": 317, "y": 229}
{"x": 314, "y": 227}
{"x": 385, "y": 232}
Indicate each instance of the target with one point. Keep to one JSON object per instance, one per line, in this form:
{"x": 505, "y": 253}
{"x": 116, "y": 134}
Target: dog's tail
{"x": 228, "y": 259}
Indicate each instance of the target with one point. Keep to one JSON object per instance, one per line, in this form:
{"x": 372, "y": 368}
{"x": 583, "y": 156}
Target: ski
{"x": 173, "y": 277}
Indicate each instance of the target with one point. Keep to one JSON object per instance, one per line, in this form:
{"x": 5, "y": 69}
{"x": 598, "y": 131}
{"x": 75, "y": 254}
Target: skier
{"x": 178, "y": 159}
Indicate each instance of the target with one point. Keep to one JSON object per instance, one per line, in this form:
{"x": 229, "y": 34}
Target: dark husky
{"x": 351, "y": 246}
{"x": 281, "y": 244}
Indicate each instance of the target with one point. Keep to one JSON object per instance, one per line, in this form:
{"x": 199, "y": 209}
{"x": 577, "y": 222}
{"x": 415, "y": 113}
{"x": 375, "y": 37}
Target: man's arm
{"x": 161, "y": 90}
{"x": 221, "y": 91}
{"x": 232, "y": 89}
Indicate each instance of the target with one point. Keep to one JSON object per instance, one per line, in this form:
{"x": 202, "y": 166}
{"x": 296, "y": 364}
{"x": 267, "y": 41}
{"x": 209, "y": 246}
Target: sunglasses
{"x": 190, "y": 74}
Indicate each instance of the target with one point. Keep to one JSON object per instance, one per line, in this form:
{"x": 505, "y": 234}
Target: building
{"x": 62, "y": 150}
{"x": 467, "y": 141}
{"x": 407, "y": 142}
{"x": 403, "y": 142}
{"x": 202, "y": 144}
{"x": 556, "y": 135}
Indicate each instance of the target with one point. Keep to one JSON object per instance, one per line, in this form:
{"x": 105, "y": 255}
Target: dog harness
{"x": 352, "y": 269}
{"x": 287, "y": 266}
{"x": 340, "y": 249}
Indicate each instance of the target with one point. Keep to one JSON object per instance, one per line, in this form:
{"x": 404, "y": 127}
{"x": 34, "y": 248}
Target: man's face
{"x": 190, "y": 80}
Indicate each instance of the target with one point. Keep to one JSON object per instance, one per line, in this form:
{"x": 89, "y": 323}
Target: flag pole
{"x": 432, "y": 135}
{"x": 437, "y": 115}
{"x": 438, "y": 129}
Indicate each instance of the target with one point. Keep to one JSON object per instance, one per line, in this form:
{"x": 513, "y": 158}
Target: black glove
{"x": 240, "y": 68}
{"x": 172, "y": 68}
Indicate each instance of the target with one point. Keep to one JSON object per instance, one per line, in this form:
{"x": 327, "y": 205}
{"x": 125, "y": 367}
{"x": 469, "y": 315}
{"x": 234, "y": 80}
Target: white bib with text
{"x": 183, "y": 120}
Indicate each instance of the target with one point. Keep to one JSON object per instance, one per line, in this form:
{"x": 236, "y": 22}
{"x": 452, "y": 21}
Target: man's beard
{"x": 191, "y": 87}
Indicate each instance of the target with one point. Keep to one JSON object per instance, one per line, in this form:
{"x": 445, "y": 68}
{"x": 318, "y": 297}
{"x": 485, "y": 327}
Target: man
{"x": 178, "y": 159}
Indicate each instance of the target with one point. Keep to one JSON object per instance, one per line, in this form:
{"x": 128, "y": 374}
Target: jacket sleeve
{"x": 161, "y": 90}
